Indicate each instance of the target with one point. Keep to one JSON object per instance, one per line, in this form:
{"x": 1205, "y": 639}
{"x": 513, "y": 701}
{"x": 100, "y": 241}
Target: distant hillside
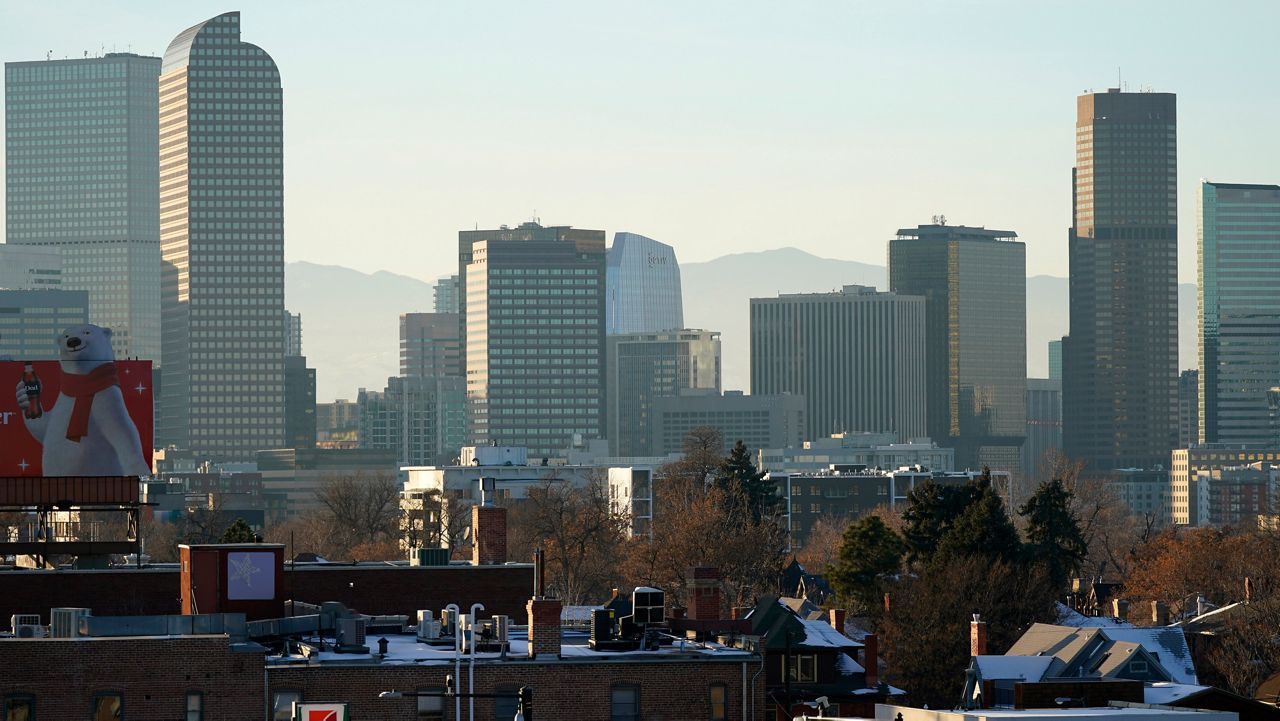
{"x": 351, "y": 323}
{"x": 351, "y": 335}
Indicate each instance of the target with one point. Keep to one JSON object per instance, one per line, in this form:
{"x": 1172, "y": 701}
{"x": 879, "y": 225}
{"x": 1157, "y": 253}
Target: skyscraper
{"x": 444, "y": 296}
{"x": 642, "y": 367}
{"x": 533, "y": 305}
{"x": 642, "y": 282}
{"x": 1239, "y": 311}
{"x": 81, "y": 160}
{"x": 28, "y": 267}
{"x": 222, "y": 220}
{"x": 1055, "y": 359}
{"x": 1120, "y": 359}
{"x": 429, "y": 345}
{"x": 856, "y": 356}
{"x": 975, "y": 293}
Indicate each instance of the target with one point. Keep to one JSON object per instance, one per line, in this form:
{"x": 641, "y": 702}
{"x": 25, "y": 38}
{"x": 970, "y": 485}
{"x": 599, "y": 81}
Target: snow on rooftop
{"x": 1029, "y": 668}
{"x": 407, "y": 650}
{"x": 1167, "y": 643}
{"x": 847, "y": 666}
{"x": 820, "y": 634}
{"x": 1167, "y": 693}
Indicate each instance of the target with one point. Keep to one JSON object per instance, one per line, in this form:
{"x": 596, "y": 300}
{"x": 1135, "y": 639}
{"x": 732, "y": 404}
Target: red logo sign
{"x": 75, "y": 418}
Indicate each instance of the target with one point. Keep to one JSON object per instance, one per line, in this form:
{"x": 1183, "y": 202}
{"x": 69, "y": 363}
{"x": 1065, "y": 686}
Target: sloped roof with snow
{"x": 1025, "y": 668}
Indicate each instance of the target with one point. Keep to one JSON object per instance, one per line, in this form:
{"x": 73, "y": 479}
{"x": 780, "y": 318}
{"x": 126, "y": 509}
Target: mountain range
{"x": 351, "y": 331}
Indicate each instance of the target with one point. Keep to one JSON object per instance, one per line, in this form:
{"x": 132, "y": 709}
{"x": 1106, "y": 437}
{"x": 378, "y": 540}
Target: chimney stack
{"x": 871, "y": 659}
{"x": 1159, "y": 613}
{"x": 704, "y": 593}
{"x": 488, "y": 535}
{"x": 977, "y": 636}
{"x": 836, "y": 616}
{"x": 544, "y": 627}
{"x": 1120, "y": 609}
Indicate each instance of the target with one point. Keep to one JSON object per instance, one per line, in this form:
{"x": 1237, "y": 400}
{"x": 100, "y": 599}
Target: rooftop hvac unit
{"x": 501, "y": 627}
{"x": 23, "y": 619}
{"x": 449, "y": 622}
{"x": 601, "y": 625}
{"x": 490, "y": 635}
{"x": 428, "y": 626}
{"x": 65, "y": 622}
{"x": 29, "y": 630}
{"x": 648, "y": 606}
{"x": 351, "y": 632}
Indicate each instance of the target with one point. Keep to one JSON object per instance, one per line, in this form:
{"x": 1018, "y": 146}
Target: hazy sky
{"x": 717, "y": 127}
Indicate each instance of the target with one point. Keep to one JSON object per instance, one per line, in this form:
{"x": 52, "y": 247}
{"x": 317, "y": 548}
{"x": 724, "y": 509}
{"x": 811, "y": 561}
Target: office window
{"x": 282, "y": 705}
{"x": 195, "y": 706}
{"x": 624, "y": 703}
{"x": 431, "y": 708}
{"x": 108, "y": 707}
{"x": 719, "y": 702}
{"x": 19, "y": 708}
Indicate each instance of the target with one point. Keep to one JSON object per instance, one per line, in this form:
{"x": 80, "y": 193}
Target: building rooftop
{"x": 407, "y": 650}
{"x": 954, "y": 232}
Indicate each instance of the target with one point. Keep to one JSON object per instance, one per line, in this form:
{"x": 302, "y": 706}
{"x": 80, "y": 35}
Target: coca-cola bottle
{"x": 32, "y": 382}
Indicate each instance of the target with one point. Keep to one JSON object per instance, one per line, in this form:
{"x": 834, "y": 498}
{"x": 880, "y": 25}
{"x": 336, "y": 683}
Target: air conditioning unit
{"x": 648, "y": 606}
{"x": 29, "y": 630}
{"x": 501, "y": 627}
{"x": 351, "y": 632}
{"x": 23, "y": 619}
{"x": 428, "y": 626}
{"x": 449, "y": 622}
{"x": 65, "y": 622}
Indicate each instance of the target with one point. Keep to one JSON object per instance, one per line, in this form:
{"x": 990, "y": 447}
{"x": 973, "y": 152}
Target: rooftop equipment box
{"x": 243, "y": 578}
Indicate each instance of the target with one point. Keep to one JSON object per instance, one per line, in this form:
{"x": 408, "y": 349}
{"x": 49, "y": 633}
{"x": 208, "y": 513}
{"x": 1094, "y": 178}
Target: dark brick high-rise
{"x": 1120, "y": 362}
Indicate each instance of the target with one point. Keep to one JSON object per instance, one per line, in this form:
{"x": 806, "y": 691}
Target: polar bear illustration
{"x": 88, "y": 432}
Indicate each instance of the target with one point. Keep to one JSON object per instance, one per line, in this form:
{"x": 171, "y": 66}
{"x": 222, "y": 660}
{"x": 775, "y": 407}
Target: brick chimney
{"x": 871, "y": 659}
{"x": 1120, "y": 609}
{"x": 977, "y": 637}
{"x": 836, "y": 616}
{"x": 488, "y": 535}
{"x": 704, "y": 593}
{"x": 544, "y": 627}
{"x": 1159, "y": 613}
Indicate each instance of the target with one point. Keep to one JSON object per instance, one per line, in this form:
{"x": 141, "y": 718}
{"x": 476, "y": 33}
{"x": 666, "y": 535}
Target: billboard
{"x": 84, "y": 415}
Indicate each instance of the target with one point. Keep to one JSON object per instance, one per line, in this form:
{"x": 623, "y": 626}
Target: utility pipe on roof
{"x": 457, "y": 659}
{"x": 471, "y": 671}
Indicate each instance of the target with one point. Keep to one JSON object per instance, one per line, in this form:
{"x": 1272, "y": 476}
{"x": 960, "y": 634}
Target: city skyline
{"x": 674, "y": 172}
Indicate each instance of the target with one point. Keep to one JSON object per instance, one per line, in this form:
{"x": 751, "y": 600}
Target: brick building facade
{"x": 377, "y": 589}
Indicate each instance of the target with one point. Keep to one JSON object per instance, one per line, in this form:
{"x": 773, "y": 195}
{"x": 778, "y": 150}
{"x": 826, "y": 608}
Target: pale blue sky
{"x": 717, "y": 127}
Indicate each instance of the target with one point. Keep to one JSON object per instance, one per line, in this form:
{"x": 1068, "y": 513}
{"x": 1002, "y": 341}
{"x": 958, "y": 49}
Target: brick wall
{"x": 153, "y": 674}
{"x": 377, "y": 590}
{"x": 568, "y": 690}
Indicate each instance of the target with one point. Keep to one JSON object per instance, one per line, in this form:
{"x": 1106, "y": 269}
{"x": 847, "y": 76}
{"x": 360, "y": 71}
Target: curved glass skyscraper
{"x": 222, "y": 243}
{"x": 642, "y": 286}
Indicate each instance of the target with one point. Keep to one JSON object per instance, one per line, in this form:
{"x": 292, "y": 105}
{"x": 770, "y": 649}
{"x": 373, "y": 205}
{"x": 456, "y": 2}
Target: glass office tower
{"x": 643, "y": 367}
{"x": 643, "y": 285}
{"x": 1120, "y": 359}
{"x": 1239, "y": 311}
{"x": 974, "y": 284}
{"x": 534, "y": 318}
{"x": 81, "y": 175}
{"x": 222, "y": 237}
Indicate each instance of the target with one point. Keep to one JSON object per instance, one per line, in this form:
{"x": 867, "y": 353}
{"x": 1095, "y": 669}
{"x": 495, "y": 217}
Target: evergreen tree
{"x": 931, "y": 511}
{"x": 982, "y": 530}
{"x": 239, "y": 532}
{"x": 738, "y": 474}
{"x": 1053, "y": 531}
{"x": 869, "y": 552}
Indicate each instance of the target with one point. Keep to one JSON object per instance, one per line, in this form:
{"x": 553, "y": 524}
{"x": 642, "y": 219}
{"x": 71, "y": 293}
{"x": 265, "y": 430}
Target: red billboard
{"x": 77, "y": 416}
